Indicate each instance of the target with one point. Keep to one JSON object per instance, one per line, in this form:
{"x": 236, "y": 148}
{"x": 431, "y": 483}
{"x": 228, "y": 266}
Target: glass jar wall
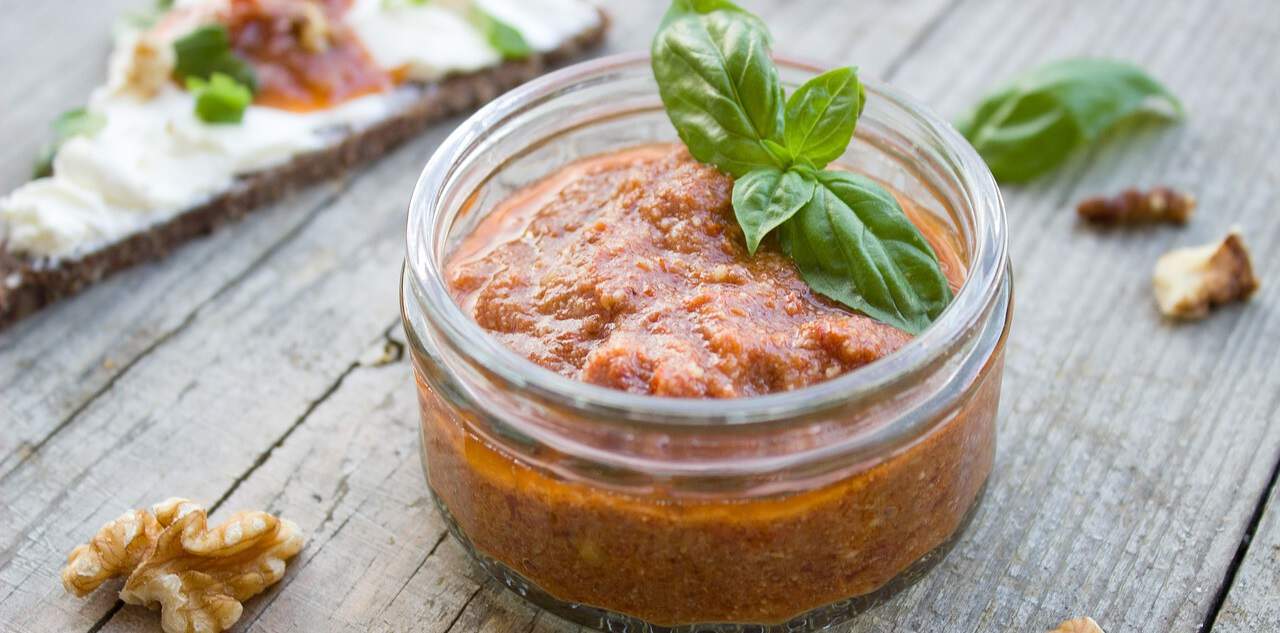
{"x": 789, "y": 511}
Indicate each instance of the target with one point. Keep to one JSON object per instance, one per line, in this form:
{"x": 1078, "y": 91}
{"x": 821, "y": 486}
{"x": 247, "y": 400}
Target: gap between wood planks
{"x": 1228, "y": 579}
{"x": 397, "y": 349}
{"x": 1246, "y": 541}
{"x": 31, "y": 450}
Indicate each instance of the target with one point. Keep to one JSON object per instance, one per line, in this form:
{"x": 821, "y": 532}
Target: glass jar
{"x": 623, "y": 512}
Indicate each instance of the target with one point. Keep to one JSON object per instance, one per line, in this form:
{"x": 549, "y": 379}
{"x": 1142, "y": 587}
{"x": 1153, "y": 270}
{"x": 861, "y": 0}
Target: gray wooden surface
{"x": 262, "y": 367}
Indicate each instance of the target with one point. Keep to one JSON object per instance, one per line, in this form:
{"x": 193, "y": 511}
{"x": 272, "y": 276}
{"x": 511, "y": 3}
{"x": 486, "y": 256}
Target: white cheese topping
{"x": 426, "y": 41}
{"x": 155, "y": 159}
{"x": 545, "y": 24}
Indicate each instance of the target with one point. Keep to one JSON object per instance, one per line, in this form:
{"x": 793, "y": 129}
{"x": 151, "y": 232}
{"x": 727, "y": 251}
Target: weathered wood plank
{"x": 351, "y": 477}
{"x": 54, "y": 364}
{"x": 1253, "y": 603}
{"x": 196, "y": 413}
{"x": 1131, "y": 451}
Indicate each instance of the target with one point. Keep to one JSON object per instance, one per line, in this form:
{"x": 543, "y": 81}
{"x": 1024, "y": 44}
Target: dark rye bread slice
{"x": 28, "y": 284}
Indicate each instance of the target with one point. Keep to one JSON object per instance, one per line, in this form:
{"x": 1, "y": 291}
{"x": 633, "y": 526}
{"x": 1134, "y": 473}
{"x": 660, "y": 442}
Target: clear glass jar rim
{"x": 981, "y": 289}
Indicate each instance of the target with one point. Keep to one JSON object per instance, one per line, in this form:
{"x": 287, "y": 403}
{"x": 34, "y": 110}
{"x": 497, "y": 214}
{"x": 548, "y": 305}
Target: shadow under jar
{"x": 789, "y": 511}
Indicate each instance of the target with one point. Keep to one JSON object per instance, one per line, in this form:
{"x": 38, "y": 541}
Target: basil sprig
{"x": 847, "y": 235}
{"x": 1034, "y": 122}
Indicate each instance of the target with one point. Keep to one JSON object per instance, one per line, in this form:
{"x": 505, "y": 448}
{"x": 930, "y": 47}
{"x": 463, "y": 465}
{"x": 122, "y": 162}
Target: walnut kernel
{"x": 1078, "y": 625}
{"x": 116, "y": 550}
{"x": 197, "y": 575}
{"x": 1160, "y": 204}
{"x": 1190, "y": 281}
{"x": 148, "y": 67}
{"x": 314, "y": 32}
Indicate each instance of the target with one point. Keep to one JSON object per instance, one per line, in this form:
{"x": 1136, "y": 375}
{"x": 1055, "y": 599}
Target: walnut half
{"x": 1190, "y": 281}
{"x": 1078, "y": 625}
{"x": 198, "y": 576}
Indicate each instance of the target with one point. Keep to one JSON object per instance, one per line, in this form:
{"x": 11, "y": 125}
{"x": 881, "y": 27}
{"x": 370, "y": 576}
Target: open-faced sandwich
{"x": 215, "y": 107}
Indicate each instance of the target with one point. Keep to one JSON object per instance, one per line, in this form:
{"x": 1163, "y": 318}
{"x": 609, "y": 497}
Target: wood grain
{"x": 1132, "y": 457}
{"x": 1132, "y": 451}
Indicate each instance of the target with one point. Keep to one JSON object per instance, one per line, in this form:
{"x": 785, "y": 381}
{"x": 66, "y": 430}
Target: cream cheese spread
{"x": 155, "y": 159}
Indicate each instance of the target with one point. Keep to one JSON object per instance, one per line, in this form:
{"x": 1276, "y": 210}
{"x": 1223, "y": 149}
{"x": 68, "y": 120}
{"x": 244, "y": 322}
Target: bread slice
{"x": 28, "y": 284}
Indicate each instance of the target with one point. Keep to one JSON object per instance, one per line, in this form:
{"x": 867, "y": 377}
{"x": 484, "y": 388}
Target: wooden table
{"x": 262, "y": 367}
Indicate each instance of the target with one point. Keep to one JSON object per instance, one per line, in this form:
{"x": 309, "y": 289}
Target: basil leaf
{"x": 719, "y": 85}
{"x": 853, "y": 243}
{"x": 767, "y": 197}
{"x": 1032, "y": 124}
{"x": 221, "y": 99}
{"x": 68, "y": 125}
{"x": 822, "y": 114}
{"x": 207, "y": 50}
{"x": 501, "y": 36}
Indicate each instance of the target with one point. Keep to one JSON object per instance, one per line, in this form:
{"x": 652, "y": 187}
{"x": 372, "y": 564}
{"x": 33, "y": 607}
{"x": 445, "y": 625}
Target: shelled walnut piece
{"x": 1078, "y": 625}
{"x": 198, "y": 576}
{"x": 1190, "y": 281}
{"x": 1160, "y": 204}
{"x": 147, "y": 67}
{"x": 313, "y": 30}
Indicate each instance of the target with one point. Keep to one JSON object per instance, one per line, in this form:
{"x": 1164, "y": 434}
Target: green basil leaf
{"x": 501, "y": 36}
{"x": 853, "y": 243}
{"x": 822, "y": 114}
{"x": 1032, "y": 124}
{"x": 221, "y": 99}
{"x": 765, "y": 198}
{"x": 68, "y": 125}
{"x": 207, "y": 50}
{"x": 719, "y": 84}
